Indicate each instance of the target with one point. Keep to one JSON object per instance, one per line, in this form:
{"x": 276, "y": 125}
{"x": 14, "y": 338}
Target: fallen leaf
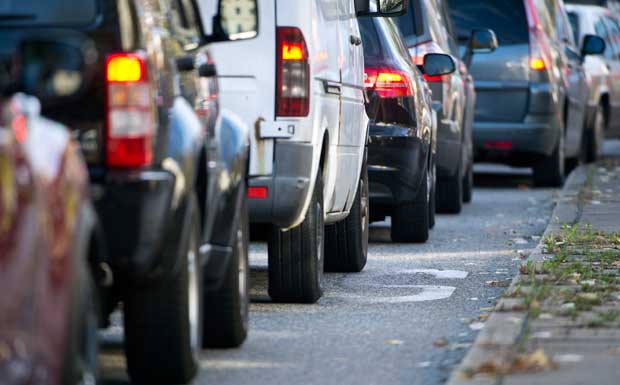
{"x": 394, "y": 342}
{"x": 441, "y": 342}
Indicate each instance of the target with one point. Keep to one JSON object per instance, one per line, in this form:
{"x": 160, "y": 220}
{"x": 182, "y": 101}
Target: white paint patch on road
{"x": 427, "y": 293}
{"x": 439, "y": 274}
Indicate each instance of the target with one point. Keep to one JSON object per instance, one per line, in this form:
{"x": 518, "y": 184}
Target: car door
{"x": 577, "y": 91}
{"x": 613, "y": 63}
{"x": 353, "y": 122}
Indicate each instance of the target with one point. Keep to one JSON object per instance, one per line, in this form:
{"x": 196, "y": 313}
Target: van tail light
{"x": 129, "y": 112}
{"x": 388, "y": 83}
{"x": 417, "y": 56}
{"x": 293, "y": 74}
{"x": 540, "y": 52}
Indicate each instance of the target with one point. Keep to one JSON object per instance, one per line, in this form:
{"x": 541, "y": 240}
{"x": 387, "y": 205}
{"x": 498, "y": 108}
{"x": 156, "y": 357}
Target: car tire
{"x": 163, "y": 320}
{"x": 226, "y": 320}
{"x": 411, "y": 221}
{"x": 550, "y": 172}
{"x": 594, "y": 136}
{"x": 82, "y": 344}
{"x": 468, "y": 184}
{"x": 346, "y": 242}
{"x": 432, "y": 210}
{"x": 450, "y": 194}
{"x": 296, "y": 256}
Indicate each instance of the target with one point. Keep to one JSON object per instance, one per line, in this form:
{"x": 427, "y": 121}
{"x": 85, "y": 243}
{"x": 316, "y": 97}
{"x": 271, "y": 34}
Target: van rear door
{"x": 246, "y": 74}
{"x": 502, "y": 77}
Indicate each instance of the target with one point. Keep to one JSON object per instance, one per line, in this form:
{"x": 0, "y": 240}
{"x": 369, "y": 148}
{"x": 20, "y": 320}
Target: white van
{"x": 299, "y": 82}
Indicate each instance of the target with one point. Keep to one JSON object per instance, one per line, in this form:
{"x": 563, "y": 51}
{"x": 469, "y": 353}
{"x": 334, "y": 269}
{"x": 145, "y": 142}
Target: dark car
{"x": 48, "y": 322}
{"x": 532, "y": 90}
{"x": 169, "y": 190}
{"x": 428, "y": 29}
{"x": 401, "y": 159}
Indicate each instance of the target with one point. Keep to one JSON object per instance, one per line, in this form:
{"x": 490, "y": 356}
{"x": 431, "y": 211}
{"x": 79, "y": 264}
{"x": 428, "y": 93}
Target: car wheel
{"x": 227, "y": 308}
{"x": 82, "y": 346}
{"x": 595, "y": 135}
{"x": 550, "y": 171}
{"x": 432, "y": 210}
{"x": 450, "y": 194}
{"x": 468, "y": 184}
{"x": 346, "y": 242}
{"x": 163, "y": 320}
{"x": 411, "y": 221}
{"x": 296, "y": 256}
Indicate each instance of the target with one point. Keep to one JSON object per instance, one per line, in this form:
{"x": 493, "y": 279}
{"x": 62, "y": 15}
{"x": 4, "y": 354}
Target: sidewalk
{"x": 559, "y": 321}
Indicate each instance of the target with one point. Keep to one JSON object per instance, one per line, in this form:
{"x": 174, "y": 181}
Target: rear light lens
{"x": 259, "y": 192}
{"x": 537, "y": 64}
{"x": 388, "y": 83}
{"x": 418, "y": 53}
{"x": 293, "y": 74}
{"x": 129, "y": 110}
{"x": 502, "y": 145}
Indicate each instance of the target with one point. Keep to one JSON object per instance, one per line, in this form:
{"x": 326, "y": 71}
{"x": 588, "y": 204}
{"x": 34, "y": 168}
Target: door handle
{"x": 355, "y": 40}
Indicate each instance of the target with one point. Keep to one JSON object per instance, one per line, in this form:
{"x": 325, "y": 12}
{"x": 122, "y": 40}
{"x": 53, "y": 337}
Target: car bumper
{"x": 287, "y": 189}
{"x": 535, "y": 137}
{"x": 396, "y": 166}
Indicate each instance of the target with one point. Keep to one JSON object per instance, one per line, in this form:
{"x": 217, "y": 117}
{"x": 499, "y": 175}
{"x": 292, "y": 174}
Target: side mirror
{"x": 437, "y": 64}
{"x": 381, "y": 8}
{"x": 54, "y": 68}
{"x": 235, "y": 20}
{"x": 483, "y": 41}
{"x": 593, "y": 45}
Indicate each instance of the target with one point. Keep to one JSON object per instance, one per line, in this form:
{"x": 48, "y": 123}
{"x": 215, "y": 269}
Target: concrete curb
{"x": 504, "y": 327}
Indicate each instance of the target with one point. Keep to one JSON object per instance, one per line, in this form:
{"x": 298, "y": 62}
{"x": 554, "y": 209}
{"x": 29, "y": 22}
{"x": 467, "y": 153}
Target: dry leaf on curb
{"x": 534, "y": 362}
{"x": 441, "y": 342}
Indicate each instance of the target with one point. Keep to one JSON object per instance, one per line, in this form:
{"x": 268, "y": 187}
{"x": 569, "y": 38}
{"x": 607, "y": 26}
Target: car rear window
{"x": 370, "y": 38}
{"x": 411, "y": 22}
{"x": 506, "y": 17}
{"x": 40, "y": 13}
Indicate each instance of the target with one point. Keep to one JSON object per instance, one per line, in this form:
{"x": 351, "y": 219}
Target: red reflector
{"x": 258, "y": 193}
{"x": 433, "y": 79}
{"x": 498, "y": 145}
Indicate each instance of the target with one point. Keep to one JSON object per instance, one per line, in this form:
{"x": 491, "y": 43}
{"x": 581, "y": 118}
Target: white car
{"x": 299, "y": 82}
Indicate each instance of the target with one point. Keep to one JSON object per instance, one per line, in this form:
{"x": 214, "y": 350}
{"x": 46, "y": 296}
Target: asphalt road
{"x": 382, "y": 326}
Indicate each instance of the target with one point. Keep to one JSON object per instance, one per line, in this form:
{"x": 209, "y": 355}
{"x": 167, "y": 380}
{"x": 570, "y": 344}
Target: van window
{"x": 601, "y": 30}
{"x": 506, "y": 18}
{"x": 573, "y": 18}
{"x": 411, "y": 23}
{"x": 39, "y": 13}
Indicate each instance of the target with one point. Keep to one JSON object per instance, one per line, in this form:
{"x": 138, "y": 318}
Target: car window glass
{"x": 614, "y": 35}
{"x": 184, "y": 24}
{"x": 573, "y": 18}
{"x": 411, "y": 23}
{"x": 546, "y": 15}
{"x": 36, "y": 13}
{"x": 370, "y": 38}
{"x": 601, "y": 30}
{"x": 507, "y": 19}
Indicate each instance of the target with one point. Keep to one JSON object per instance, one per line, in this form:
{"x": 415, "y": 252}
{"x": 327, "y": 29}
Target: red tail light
{"x": 293, "y": 73}
{"x": 259, "y": 192}
{"x": 388, "y": 83}
{"x": 540, "y": 53}
{"x": 421, "y": 50}
{"x": 129, "y": 110}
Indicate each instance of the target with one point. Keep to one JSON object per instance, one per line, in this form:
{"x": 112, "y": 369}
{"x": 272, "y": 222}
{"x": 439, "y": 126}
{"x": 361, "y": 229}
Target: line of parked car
{"x": 140, "y": 140}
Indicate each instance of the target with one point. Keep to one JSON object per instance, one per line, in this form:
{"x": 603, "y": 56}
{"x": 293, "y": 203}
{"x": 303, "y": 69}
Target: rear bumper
{"x": 536, "y": 137}
{"x": 287, "y": 189}
{"x": 396, "y": 166}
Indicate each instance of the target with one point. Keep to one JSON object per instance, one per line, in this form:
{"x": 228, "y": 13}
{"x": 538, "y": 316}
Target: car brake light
{"x": 537, "y": 64}
{"x": 388, "y": 83}
{"x": 503, "y": 145}
{"x": 260, "y": 192}
{"x": 129, "y": 112}
{"x": 293, "y": 74}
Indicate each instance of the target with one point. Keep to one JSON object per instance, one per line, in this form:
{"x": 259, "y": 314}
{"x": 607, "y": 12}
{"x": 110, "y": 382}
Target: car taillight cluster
{"x": 421, "y": 50}
{"x": 388, "y": 83}
{"x": 293, "y": 74}
{"x": 540, "y": 53}
{"x": 129, "y": 110}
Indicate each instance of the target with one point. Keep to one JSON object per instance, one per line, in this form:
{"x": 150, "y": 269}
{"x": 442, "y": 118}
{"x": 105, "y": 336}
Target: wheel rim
{"x": 193, "y": 298}
{"x": 365, "y": 213}
{"x": 319, "y": 238}
{"x": 243, "y": 278}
